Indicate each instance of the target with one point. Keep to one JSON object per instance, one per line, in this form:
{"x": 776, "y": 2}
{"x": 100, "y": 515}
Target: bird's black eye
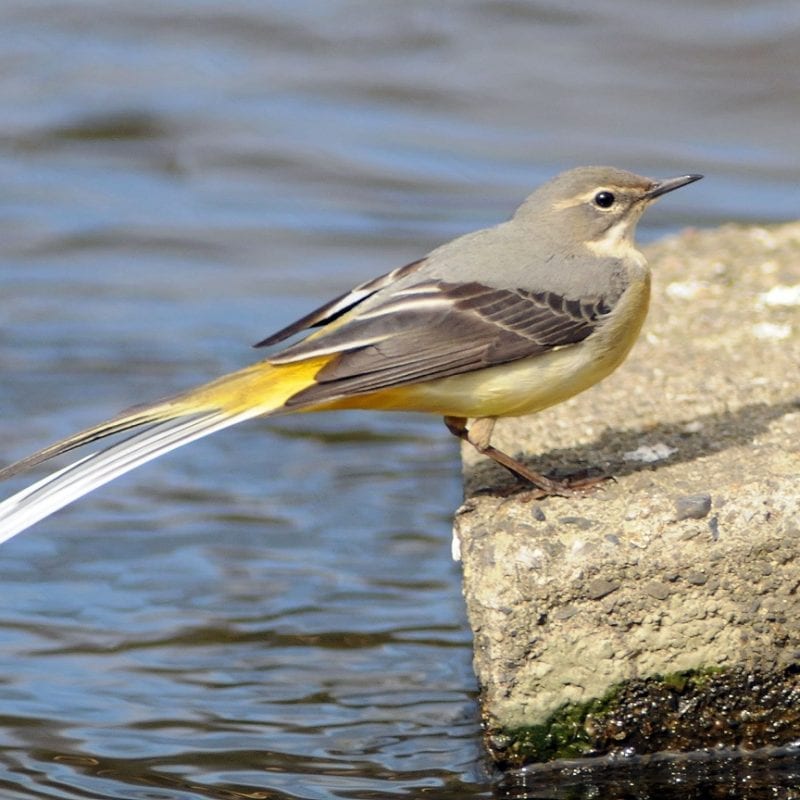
{"x": 604, "y": 199}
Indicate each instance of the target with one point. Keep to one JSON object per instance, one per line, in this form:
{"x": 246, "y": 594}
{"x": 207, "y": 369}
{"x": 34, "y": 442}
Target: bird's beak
{"x": 669, "y": 184}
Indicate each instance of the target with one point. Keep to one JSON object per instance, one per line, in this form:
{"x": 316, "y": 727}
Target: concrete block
{"x": 662, "y": 611}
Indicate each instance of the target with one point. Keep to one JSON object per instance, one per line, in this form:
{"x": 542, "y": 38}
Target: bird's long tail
{"x": 254, "y": 391}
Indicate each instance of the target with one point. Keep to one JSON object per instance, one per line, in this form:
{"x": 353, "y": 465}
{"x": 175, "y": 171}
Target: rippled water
{"x": 273, "y": 612}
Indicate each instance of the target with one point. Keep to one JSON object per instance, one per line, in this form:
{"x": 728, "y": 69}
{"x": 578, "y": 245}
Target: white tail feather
{"x": 60, "y": 488}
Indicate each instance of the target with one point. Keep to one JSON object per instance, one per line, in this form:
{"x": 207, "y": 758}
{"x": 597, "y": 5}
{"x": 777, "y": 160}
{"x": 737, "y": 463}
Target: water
{"x": 273, "y": 612}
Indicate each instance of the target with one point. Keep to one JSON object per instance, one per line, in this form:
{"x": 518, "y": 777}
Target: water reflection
{"x": 696, "y": 776}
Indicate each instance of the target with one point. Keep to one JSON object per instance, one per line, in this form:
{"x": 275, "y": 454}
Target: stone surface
{"x": 687, "y": 564}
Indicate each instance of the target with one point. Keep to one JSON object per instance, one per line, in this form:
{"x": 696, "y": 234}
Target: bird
{"x": 500, "y": 322}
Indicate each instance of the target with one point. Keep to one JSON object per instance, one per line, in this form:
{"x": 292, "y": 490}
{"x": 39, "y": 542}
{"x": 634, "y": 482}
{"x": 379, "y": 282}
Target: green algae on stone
{"x": 688, "y": 710}
{"x": 566, "y": 734}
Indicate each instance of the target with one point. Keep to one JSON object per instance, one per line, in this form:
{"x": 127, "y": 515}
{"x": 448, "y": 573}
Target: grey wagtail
{"x": 501, "y": 322}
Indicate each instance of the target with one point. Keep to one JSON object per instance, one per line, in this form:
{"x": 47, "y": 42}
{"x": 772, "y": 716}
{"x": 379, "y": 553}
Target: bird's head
{"x": 597, "y": 207}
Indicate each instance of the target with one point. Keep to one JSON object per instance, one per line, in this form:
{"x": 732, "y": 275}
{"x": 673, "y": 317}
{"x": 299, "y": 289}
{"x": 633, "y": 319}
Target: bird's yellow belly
{"x": 522, "y": 387}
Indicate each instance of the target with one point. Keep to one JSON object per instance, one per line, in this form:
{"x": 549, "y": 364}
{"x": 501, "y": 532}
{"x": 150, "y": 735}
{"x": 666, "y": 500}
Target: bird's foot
{"x": 577, "y": 485}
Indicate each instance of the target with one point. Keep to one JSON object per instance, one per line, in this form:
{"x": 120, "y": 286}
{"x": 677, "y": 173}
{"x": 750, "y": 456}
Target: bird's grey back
{"x": 536, "y": 250}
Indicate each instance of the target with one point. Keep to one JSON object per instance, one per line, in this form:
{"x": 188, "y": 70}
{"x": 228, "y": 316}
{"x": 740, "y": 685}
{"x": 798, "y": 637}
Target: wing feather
{"x": 340, "y": 305}
{"x": 478, "y": 326}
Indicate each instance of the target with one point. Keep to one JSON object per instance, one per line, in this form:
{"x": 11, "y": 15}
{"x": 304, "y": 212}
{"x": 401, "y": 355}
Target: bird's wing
{"x": 340, "y": 305}
{"x": 433, "y": 329}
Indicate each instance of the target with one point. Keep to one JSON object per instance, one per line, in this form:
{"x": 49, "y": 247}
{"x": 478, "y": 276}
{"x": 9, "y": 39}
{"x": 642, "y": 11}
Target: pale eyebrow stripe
{"x": 578, "y": 199}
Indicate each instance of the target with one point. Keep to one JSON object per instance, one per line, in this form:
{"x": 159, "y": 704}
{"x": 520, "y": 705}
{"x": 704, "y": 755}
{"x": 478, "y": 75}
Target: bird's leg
{"x": 479, "y": 436}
